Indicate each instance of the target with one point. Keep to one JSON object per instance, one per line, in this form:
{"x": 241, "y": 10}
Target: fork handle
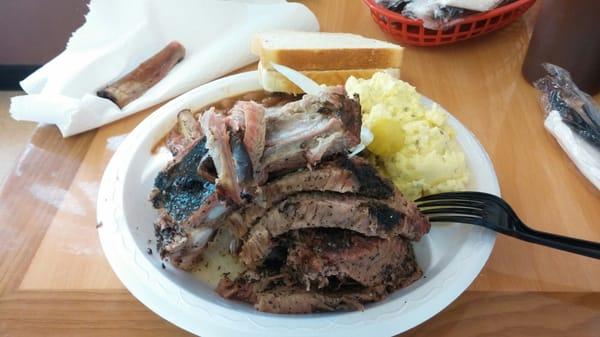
{"x": 577, "y": 246}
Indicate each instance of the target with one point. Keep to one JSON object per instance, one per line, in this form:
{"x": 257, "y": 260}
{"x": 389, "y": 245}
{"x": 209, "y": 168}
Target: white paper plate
{"x": 451, "y": 255}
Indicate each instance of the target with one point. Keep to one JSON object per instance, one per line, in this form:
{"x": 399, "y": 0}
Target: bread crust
{"x": 333, "y": 59}
{"x": 370, "y": 54}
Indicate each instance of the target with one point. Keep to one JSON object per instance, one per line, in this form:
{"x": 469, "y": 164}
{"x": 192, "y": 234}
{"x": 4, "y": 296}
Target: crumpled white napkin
{"x": 585, "y": 156}
{"x": 119, "y": 35}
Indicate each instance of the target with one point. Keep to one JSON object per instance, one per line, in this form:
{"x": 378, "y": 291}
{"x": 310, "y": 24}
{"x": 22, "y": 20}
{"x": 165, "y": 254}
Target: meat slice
{"x": 235, "y": 144}
{"x": 183, "y": 246}
{"x": 342, "y": 175}
{"x": 243, "y": 151}
{"x": 348, "y": 269}
{"x": 183, "y": 241}
{"x": 219, "y": 148}
{"x": 295, "y": 300}
{"x": 249, "y": 116}
{"x": 319, "y": 255}
{"x": 209, "y": 214}
{"x": 385, "y": 219}
{"x": 185, "y": 132}
{"x": 241, "y": 160}
{"x": 186, "y": 201}
{"x": 306, "y": 131}
{"x": 279, "y": 294}
{"x": 178, "y": 189}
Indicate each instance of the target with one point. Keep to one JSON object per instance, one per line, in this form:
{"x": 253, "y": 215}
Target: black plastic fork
{"x": 490, "y": 211}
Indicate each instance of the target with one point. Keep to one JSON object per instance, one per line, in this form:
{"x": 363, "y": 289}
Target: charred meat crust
{"x": 387, "y": 217}
{"x": 178, "y": 188}
{"x": 371, "y": 182}
{"x": 345, "y": 109}
{"x": 342, "y": 175}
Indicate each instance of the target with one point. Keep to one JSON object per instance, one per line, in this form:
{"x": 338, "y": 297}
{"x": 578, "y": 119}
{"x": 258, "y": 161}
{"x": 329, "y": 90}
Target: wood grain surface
{"x": 55, "y": 281}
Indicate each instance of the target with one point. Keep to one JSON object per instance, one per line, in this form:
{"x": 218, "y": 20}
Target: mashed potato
{"x": 414, "y": 145}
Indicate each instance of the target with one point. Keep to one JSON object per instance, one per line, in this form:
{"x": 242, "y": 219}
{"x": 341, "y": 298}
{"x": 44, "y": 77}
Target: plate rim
{"x": 217, "y": 327}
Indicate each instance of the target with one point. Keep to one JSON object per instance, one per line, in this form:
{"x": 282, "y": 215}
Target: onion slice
{"x": 366, "y": 138}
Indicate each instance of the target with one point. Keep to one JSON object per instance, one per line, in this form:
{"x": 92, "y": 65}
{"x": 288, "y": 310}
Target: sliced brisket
{"x": 343, "y": 175}
{"x": 278, "y": 294}
{"x": 327, "y": 270}
{"x": 385, "y": 219}
{"x": 319, "y": 255}
{"x": 295, "y": 300}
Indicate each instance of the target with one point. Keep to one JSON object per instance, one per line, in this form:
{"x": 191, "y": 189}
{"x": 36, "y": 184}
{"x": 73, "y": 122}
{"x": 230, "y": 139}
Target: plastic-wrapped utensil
{"x": 573, "y": 118}
{"x": 577, "y": 109}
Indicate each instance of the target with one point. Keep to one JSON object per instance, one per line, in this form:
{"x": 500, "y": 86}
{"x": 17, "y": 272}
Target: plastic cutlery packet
{"x": 573, "y": 118}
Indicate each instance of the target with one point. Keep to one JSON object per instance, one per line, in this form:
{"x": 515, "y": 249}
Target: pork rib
{"x": 309, "y": 130}
{"x": 184, "y": 200}
{"x": 219, "y": 148}
{"x": 249, "y": 116}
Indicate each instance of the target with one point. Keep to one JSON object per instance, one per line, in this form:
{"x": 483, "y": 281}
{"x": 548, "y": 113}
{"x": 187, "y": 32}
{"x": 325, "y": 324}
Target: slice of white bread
{"x": 325, "y": 51}
{"x": 273, "y": 81}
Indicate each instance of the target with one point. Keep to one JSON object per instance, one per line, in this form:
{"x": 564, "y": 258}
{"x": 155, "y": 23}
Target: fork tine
{"x": 470, "y": 195}
{"x": 453, "y": 210}
{"x": 501, "y": 203}
{"x": 465, "y": 203}
{"x": 461, "y": 219}
{"x": 489, "y": 199}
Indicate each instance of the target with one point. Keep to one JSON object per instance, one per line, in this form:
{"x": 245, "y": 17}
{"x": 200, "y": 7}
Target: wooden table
{"x": 55, "y": 281}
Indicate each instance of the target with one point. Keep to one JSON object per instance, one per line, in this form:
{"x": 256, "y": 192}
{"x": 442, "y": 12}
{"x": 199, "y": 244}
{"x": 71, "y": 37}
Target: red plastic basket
{"x": 412, "y": 32}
